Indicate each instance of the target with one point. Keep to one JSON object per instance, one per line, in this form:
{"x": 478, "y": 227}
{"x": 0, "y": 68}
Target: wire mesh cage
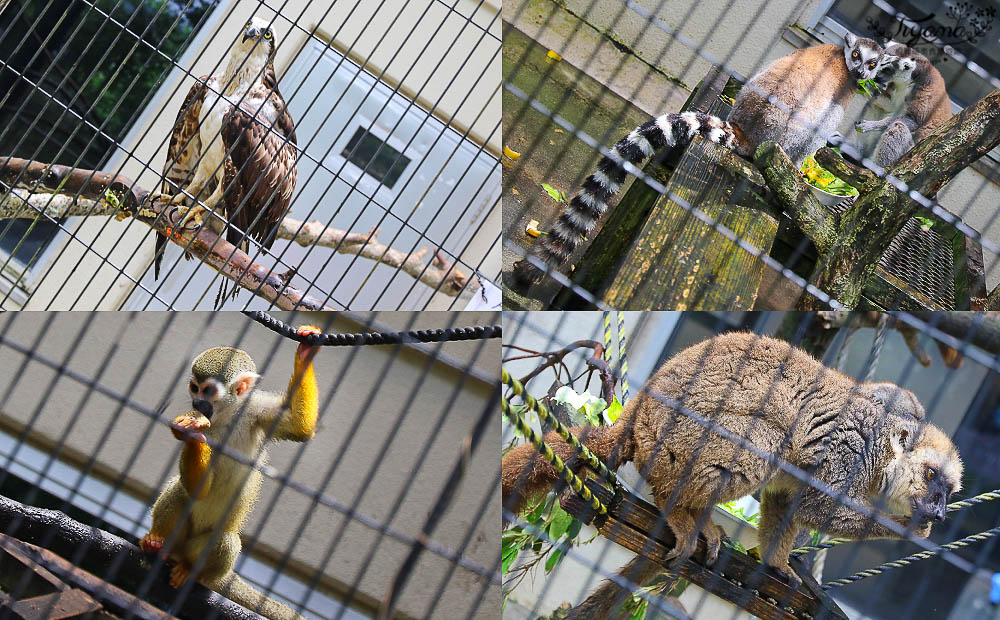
{"x": 681, "y": 448}
{"x": 740, "y": 156}
{"x": 320, "y": 155}
{"x": 383, "y": 503}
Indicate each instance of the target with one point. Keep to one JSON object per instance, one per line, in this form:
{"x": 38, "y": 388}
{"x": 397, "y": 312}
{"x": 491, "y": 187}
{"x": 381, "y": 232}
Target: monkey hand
{"x": 306, "y": 351}
{"x": 789, "y": 575}
{"x": 151, "y": 543}
{"x": 187, "y": 425}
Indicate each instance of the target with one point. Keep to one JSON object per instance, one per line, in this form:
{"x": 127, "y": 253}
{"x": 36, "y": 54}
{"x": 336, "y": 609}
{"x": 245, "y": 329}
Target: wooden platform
{"x": 736, "y": 577}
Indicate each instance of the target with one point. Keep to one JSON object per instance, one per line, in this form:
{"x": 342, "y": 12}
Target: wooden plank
{"x": 736, "y": 577}
{"x": 55, "y": 606}
{"x": 679, "y": 262}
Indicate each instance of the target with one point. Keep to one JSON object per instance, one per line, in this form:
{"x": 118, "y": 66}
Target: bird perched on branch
{"x": 233, "y": 146}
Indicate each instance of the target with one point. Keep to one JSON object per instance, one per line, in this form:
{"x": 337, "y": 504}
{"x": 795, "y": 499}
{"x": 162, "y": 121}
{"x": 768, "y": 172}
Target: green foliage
{"x": 561, "y": 529}
{"x": 737, "y": 511}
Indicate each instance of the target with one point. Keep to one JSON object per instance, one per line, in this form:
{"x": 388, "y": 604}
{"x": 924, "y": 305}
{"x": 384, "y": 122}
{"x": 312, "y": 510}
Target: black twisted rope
{"x": 447, "y": 334}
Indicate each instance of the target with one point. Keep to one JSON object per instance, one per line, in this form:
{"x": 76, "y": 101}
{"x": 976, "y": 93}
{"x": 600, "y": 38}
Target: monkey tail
{"x": 609, "y": 596}
{"x": 235, "y": 589}
{"x": 580, "y": 216}
{"x": 526, "y": 475}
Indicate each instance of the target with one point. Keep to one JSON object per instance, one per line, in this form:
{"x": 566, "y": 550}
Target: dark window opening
{"x": 375, "y": 157}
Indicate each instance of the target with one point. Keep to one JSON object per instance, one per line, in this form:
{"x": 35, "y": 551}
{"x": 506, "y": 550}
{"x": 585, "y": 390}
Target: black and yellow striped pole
{"x": 557, "y": 464}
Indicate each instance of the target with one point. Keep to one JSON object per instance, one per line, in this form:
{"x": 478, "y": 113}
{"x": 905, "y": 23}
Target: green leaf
{"x": 574, "y": 529}
{"x": 509, "y": 549}
{"x": 559, "y": 522}
{"x": 868, "y": 88}
{"x": 553, "y": 560}
{"x": 926, "y": 223}
{"x": 639, "y": 612}
{"x": 557, "y": 195}
{"x": 614, "y": 410}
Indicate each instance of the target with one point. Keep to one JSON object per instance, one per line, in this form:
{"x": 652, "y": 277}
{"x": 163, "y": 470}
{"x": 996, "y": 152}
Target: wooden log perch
{"x": 107, "y": 556}
{"x": 863, "y": 233}
{"x": 61, "y": 191}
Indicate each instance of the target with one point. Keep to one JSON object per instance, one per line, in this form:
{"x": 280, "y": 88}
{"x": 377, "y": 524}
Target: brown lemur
{"x": 865, "y": 440}
{"x": 914, "y": 94}
{"x": 216, "y": 488}
{"x": 810, "y": 89}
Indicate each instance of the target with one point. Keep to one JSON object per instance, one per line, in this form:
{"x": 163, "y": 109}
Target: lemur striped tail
{"x": 580, "y": 216}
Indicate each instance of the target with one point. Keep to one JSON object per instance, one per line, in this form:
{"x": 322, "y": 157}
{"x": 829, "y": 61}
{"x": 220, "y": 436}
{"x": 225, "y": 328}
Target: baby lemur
{"x": 866, "y": 440}
{"x": 810, "y": 89}
{"x": 914, "y": 94}
{"x": 220, "y": 490}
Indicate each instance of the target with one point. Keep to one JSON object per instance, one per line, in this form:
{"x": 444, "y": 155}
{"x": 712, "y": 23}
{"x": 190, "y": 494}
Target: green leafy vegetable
{"x": 820, "y": 177}
{"x": 868, "y": 88}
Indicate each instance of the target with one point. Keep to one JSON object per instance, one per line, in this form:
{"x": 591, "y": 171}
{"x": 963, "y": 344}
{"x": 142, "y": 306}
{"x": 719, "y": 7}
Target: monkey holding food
{"x": 220, "y": 490}
{"x": 866, "y": 440}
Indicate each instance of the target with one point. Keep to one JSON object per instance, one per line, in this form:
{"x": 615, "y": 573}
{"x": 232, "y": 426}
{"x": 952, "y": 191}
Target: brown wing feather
{"x": 179, "y": 166}
{"x": 260, "y": 171}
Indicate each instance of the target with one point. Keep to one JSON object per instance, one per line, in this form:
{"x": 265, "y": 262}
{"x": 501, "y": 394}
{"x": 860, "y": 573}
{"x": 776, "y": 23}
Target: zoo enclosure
{"x": 697, "y": 231}
{"x": 397, "y": 122}
{"x": 962, "y": 401}
{"x": 85, "y": 403}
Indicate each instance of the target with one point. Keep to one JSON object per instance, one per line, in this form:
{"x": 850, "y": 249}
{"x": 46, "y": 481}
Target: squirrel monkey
{"x": 220, "y": 489}
{"x": 867, "y": 440}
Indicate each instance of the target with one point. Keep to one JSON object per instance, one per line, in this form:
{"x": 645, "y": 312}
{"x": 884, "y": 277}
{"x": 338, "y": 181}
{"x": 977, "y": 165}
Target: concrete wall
{"x": 641, "y": 60}
{"x": 389, "y": 37}
{"x": 376, "y": 431}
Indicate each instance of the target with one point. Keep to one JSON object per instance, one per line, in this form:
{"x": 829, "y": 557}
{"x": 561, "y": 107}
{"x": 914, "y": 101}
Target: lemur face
{"x": 895, "y": 69}
{"x": 863, "y": 57}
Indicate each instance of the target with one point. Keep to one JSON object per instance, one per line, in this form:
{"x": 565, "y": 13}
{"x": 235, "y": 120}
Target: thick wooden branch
{"x": 864, "y": 232}
{"x": 61, "y": 191}
{"x": 794, "y": 195}
{"x": 109, "y": 557}
{"x": 843, "y": 169}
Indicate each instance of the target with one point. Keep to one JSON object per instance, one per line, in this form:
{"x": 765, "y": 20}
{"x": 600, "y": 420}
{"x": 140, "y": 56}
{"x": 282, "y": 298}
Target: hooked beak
{"x": 252, "y": 33}
{"x": 203, "y": 406}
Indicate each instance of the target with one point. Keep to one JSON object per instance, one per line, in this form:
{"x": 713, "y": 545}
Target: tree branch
{"x": 61, "y": 191}
{"x": 95, "y": 550}
{"x": 864, "y": 232}
{"x": 843, "y": 169}
{"x": 794, "y": 195}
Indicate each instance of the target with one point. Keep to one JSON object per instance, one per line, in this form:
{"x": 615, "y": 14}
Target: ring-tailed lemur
{"x": 915, "y": 97}
{"x": 811, "y": 88}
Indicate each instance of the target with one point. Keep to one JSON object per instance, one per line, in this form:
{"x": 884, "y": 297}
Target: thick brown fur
{"x": 864, "y": 440}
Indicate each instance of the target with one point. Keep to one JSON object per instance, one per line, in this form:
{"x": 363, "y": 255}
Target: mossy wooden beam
{"x": 794, "y": 195}
{"x": 864, "y": 231}
{"x": 842, "y": 169}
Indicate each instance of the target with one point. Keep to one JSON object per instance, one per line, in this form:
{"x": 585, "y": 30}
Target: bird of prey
{"x": 236, "y": 152}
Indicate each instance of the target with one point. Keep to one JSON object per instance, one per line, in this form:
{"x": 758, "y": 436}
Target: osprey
{"x": 235, "y": 152}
